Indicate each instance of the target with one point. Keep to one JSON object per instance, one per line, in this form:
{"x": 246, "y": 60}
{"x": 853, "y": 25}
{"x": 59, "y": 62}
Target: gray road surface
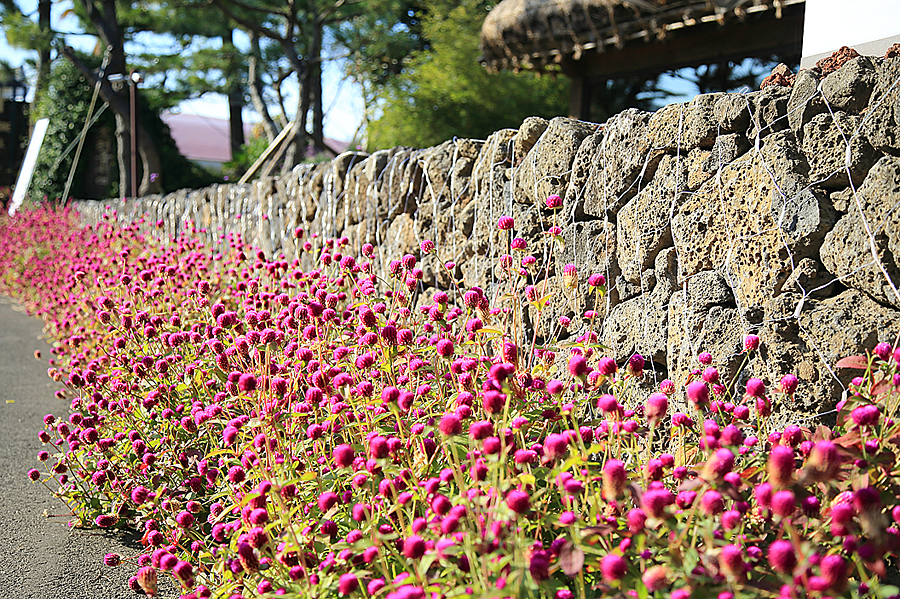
{"x": 41, "y": 557}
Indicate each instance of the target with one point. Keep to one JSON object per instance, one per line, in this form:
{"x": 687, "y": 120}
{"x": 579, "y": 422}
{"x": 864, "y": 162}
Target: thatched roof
{"x": 532, "y": 34}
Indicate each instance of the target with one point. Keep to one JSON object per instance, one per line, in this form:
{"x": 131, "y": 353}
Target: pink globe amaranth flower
{"x": 556, "y": 445}
{"x": 34, "y": 474}
{"x": 450, "y": 425}
{"x": 656, "y": 407}
{"x": 698, "y": 394}
{"x": 505, "y": 223}
{"x": 636, "y": 519}
{"x": 655, "y": 501}
{"x": 731, "y": 561}
{"x": 756, "y": 388}
{"x": 751, "y": 342}
{"x": 867, "y": 415}
{"x": 184, "y": 519}
{"x": 348, "y": 583}
{"x": 712, "y": 503}
{"x": 782, "y": 557}
{"x": 731, "y": 519}
{"x": 636, "y": 364}
{"x": 711, "y": 375}
{"x": 445, "y": 348}
{"x": 607, "y": 366}
{"x": 789, "y": 384}
{"x": 553, "y": 201}
{"x": 106, "y": 520}
{"x": 596, "y": 280}
{"x": 656, "y": 578}
{"x": 578, "y": 366}
{"x": 414, "y": 547}
{"x": 781, "y": 466}
{"x": 327, "y": 500}
{"x": 147, "y": 580}
{"x": 613, "y": 567}
{"x": 784, "y": 503}
{"x": 719, "y": 464}
{"x": 112, "y": 559}
{"x": 882, "y": 350}
{"x": 614, "y": 479}
{"x": 667, "y": 387}
{"x": 570, "y": 275}
{"x": 481, "y": 430}
{"x": 833, "y": 569}
{"x": 247, "y": 383}
{"x": 427, "y": 246}
{"x": 608, "y": 403}
{"x": 518, "y": 501}
{"x": 705, "y": 358}
{"x": 343, "y": 455}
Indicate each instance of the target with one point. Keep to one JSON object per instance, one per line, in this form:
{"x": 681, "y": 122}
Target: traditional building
{"x": 594, "y": 40}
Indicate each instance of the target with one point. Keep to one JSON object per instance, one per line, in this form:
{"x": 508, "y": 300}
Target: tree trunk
{"x": 120, "y": 107}
{"x": 256, "y": 88}
{"x": 43, "y": 66}
{"x": 105, "y": 21}
{"x": 314, "y": 64}
{"x": 235, "y": 94}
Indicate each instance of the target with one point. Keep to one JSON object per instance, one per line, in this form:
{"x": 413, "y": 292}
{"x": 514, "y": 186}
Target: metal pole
{"x": 134, "y": 188}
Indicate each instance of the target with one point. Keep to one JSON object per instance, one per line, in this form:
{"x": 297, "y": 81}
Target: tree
{"x": 23, "y": 32}
{"x": 444, "y": 92}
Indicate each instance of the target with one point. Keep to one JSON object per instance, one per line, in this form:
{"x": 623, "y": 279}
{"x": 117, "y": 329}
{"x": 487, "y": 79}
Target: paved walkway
{"x": 41, "y": 557}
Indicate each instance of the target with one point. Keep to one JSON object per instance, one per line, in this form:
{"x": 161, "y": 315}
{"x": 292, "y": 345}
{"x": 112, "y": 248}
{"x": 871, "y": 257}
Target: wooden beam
{"x": 580, "y": 99}
{"x": 705, "y": 43}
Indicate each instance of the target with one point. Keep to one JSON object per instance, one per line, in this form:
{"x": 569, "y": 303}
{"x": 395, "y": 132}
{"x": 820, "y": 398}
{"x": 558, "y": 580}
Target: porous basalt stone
{"x": 529, "y": 132}
{"x": 805, "y": 101}
{"x": 768, "y": 110}
{"x": 753, "y": 220}
{"x": 643, "y": 223}
{"x": 881, "y": 124}
{"x": 585, "y": 161}
{"x": 640, "y": 325}
{"x": 837, "y": 150}
{"x": 847, "y": 249}
{"x": 685, "y": 126}
{"x": 548, "y": 166}
{"x": 626, "y": 161}
{"x": 850, "y": 87}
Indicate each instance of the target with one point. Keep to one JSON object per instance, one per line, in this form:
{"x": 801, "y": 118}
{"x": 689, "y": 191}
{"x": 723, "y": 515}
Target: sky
{"x": 342, "y": 98}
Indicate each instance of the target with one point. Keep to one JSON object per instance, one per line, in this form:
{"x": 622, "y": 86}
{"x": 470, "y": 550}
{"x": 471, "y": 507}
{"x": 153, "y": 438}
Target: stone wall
{"x": 775, "y": 212}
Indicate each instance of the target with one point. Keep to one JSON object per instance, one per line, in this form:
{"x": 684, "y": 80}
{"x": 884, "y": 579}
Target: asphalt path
{"x": 41, "y": 555}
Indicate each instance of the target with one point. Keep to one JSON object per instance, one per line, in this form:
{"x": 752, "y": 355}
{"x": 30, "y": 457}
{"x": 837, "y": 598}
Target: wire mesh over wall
{"x": 773, "y": 212}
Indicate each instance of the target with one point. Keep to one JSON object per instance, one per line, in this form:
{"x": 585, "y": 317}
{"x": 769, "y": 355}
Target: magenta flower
{"x": 348, "y": 583}
{"x": 553, "y": 202}
{"x": 518, "y": 501}
{"x": 782, "y": 557}
{"x": 751, "y": 342}
{"x": 505, "y": 223}
{"x": 578, "y": 365}
{"x": 698, "y": 394}
{"x": 613, "y": 567}
{"x": 343, "y": 456}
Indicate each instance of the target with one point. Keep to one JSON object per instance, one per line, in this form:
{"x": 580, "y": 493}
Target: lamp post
{"x": 133, "y": 80}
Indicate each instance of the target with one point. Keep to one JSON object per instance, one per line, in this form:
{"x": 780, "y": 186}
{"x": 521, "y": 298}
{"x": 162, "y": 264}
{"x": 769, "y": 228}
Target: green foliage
{"x": 66, "y": 104}
{"x": 445, "y": 92}
{"x": 244, "y": 159}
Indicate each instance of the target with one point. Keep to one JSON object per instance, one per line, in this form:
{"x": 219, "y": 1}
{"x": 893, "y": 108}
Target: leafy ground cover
{"x": 304, "y": 429}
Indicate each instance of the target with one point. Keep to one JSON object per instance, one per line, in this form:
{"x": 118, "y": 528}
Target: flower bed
{"x": 305, "y": 429}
